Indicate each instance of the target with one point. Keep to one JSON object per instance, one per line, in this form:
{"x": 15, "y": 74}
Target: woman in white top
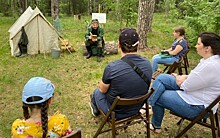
{"x": 189, "y": 95}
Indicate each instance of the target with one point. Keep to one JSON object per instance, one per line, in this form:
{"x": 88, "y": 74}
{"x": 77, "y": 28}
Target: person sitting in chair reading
{"x": 94, "y": 37}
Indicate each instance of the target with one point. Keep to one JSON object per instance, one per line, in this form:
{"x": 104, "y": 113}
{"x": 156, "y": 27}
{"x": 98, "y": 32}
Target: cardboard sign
{"x": 100, "y": 16}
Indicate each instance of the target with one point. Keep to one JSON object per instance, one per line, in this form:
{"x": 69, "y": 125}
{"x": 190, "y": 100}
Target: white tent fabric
{"x": 41, "y": 34}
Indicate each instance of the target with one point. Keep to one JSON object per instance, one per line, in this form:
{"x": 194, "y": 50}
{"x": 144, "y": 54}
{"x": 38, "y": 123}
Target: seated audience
{"x": 177, "y": 50}
{"x": 37, "y": 96}
{"x": 119, "y": 79}
{"x": 189, "y": 95}
{"x": 94, "y": 36}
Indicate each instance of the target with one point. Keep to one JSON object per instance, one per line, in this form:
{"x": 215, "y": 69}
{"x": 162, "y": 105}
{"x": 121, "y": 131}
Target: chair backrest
{"x": 182, "y": 63}
{"x": 185, "y": 59}
{"x": 174, "y": 66}
{"x": 74, "y": 134}
{"x": 131, "y": 101}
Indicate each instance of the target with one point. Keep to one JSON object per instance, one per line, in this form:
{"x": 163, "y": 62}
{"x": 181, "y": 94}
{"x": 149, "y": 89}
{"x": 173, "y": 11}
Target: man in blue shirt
{"x": 119, "y": 78}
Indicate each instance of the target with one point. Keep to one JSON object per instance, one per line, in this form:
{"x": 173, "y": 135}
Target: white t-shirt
{"x": 202, "y": 86}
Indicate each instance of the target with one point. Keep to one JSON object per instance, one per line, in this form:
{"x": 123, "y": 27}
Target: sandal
{"x": 155, "y": 130}
{"x": 143, "y": 110}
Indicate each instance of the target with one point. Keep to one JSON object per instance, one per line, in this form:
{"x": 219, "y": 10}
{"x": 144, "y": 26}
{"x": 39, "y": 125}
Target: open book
{"x": 94, "y": 36}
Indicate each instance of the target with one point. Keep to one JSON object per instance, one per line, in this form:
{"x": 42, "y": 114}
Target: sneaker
{"x": 94, "y": 108}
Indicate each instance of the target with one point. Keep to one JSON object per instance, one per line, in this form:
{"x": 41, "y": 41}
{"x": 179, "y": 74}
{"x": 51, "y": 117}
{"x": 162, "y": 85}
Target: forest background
{"x": 75, "y": 77}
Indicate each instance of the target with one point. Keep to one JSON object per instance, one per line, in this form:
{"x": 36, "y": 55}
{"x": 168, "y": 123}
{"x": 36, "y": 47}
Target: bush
{"x": 201, "y": 15}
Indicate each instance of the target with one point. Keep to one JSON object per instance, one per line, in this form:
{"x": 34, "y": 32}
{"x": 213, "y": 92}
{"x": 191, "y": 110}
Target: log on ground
{"x": 111, "y": 47}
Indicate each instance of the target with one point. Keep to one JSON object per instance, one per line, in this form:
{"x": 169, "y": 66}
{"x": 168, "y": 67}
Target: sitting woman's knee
{"x": 163, "y": 77}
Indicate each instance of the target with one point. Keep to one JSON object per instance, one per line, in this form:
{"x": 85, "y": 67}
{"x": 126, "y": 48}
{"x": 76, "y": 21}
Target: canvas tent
{"x": 41, "y": 34}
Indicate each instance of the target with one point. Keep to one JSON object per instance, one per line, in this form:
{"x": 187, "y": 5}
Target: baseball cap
{"x": 37, "y": 90}
{"x": 129, "y": 37}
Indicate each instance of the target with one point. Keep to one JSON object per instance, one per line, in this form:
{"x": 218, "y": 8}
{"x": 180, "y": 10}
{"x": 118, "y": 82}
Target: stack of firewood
{"x": 66, "y": 46}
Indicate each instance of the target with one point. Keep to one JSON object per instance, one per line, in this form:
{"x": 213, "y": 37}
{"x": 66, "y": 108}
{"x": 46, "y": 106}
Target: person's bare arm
{"x": 170, "y": 49}
{"x": 103, "y": 87}
{"x": 176, "y": 50}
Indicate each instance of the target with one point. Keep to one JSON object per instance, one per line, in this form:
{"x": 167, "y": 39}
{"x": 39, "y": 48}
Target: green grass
{"x": 75, "y": 77}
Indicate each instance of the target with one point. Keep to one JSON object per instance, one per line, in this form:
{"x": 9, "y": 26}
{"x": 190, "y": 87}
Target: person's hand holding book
{"x": 164, "y": 52}
{"x": 93, "y": 37}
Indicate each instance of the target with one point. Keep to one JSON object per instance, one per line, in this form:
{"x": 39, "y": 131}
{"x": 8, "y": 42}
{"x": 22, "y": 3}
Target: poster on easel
{"x": 100, "y": 16}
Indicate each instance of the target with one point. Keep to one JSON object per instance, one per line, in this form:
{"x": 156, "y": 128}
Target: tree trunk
{"x": 89, "y": 7}
{"x": 21, "y": 6}
{"x": 145, "y": 14}
{"x": 150, "y": 12}
{"x": 55, "y": 15}
{"x": 13, "y": 6}
{"x": 142, "y": 22}
{"x": 54, "y": 9}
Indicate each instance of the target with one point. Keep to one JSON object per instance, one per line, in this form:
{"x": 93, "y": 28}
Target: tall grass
{"x": 75, "y": 77}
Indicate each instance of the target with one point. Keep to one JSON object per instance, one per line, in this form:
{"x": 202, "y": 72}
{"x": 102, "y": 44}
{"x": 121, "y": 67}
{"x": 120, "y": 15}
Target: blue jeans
{"x": 165, "y": 96}
{"x": 102, "y": 103}
{"x": 158, "y": 60}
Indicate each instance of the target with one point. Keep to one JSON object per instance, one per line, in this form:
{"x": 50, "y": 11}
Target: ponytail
{"x": 44, "y": 118}
{"x": 44, "y": 115}
{"x": 25, "y": 111}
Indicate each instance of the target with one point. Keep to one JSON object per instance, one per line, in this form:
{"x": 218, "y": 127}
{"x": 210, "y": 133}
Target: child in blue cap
{"x": 37, "y": 96}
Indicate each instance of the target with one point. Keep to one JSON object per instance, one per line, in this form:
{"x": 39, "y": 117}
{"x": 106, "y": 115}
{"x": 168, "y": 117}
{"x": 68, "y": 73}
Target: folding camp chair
{"x": 182, "y": 63}
{"x": 124, "y": 123}
{"x": 172, "y": 69}
{"x": 74, "y": 134}
{"x": 213, "y": 125}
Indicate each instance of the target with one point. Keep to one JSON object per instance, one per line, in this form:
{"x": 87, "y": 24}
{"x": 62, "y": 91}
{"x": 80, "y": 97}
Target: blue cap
{"x": 37, "y": 90}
